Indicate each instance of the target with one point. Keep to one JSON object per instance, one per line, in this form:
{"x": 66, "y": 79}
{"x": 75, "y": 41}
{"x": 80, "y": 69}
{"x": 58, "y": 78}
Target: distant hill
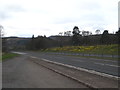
{"x": 15, "y": 42}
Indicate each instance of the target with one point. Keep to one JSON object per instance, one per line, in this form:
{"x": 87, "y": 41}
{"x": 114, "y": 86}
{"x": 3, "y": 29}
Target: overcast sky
{"x": 49, "y": 17}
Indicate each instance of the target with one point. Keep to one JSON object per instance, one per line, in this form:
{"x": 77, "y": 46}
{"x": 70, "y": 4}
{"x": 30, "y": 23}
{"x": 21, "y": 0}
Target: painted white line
{"x": 33, "y": 57}
{"x": 115, "y": 61}
{"x": 19, "y": 53}
{"x": 82, "y": 69}
{"x": 109, "y": 60}
{"x": 107, "y": 64}
{"x": 112, "y": 65}
{"x": 99, "y": 63}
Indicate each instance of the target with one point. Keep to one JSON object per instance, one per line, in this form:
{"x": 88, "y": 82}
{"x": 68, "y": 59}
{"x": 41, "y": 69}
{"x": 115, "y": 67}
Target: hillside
{"x": 98, "y": 49}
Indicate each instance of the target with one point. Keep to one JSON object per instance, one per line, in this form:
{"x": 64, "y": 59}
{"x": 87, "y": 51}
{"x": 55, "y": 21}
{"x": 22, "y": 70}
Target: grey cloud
{"x": 119, "y": 14}
{"x": 5, "y": 11}
{"x": 14, "y": 8}
{"x": 4, "y": 15}
{"x": 88, "y": 18}
{"x": 92, "y": 6}
{"x": 93, "y": 17}
{"x": 99, "y": 26}
{"x": 95, "y": 26}
{"x": 25, "y": 35}
{"x": 66, "y": 20}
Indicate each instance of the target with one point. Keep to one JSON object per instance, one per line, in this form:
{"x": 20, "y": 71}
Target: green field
{"x": 98, "y": 49}
{"x": 8, "y": 56}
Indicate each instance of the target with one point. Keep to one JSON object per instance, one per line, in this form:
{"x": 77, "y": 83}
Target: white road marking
{"x": 109, "y": 60}
{"x": 19, "y": 53}
{"x": 78, "y": 68}
{"x": 112, "y": 65}
{"x": 33, "y": 57}
{"x": 107, "y": 64}
{"x": 99, "y": 63}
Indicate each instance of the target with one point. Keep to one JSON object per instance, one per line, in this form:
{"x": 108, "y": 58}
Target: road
{"x": 21, "y": 72}
{"x": 83, "y": 54}
{"x": 104, "y": 66}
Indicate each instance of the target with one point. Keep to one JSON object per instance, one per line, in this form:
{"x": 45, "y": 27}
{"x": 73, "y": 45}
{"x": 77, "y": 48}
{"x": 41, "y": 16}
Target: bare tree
{"x": 60, "y": 33}
{"x": 67, "y": 33}
{"x": 86, "y": 33}
{"x": 97, "y": 31}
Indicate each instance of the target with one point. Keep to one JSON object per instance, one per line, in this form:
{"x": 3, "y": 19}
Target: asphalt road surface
{"x": 21, "y": 72}
{"x": 104, "y": 66}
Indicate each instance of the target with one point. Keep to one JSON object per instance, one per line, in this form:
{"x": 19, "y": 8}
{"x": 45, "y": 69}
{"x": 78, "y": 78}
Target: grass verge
{"x": 98, "y": 49}
{"x": 8, "y": 56}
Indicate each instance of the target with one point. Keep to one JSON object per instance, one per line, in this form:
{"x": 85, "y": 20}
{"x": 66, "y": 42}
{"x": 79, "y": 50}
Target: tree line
{"x": 41, "y": 42}
{"x": 86, "y": 38}
{"x": 75, "y": 39}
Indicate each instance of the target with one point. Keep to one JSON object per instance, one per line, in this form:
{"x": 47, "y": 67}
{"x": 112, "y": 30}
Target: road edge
{"x": 81, "y": 69}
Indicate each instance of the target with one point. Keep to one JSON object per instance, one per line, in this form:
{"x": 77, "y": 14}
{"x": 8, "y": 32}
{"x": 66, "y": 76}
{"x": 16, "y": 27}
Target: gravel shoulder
{"x": 21, "y": 72}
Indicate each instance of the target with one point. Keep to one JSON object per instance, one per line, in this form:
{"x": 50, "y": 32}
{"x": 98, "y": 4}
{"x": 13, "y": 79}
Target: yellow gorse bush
{"x": 107, "y": 49}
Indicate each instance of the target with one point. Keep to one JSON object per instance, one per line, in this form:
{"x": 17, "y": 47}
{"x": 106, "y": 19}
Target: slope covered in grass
{"x": 8, "y": 55}
{"x": 98, "y": 49}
